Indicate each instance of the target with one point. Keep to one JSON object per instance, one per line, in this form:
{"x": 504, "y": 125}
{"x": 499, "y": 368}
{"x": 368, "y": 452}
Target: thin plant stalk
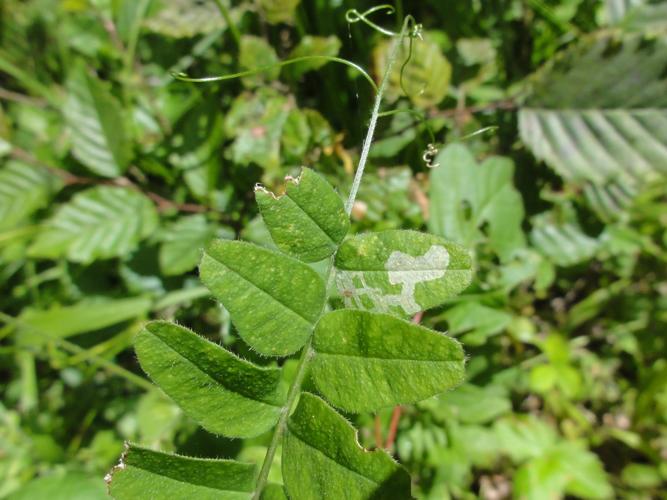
{"x": 307, "y": 353}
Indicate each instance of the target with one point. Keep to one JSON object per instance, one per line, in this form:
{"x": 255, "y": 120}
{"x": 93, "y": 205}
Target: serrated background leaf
{"x": 99, "y": 223}
{"x": 274, "y": 300}
{"x": 308, "y": 221}
{"x": 593, "y": 131}
{"x": 212, "y": 385}
{"x": 23, "y": 190}
{"x": 364, "y": 361}
{"x": 100, "y": 139}
{"x": 322, "y": 459}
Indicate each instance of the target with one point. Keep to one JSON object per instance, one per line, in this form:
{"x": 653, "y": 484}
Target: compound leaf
{"x": 212, "y": 385}
{"x": 309, "y": 220}
{"x": 400, "y": 272}
{"x": 99, "y": 223}
{"x": 147, "y": 474}
{"x": 364, "y": 361}
{"x": 99, "y": 137}
{"x": 322, "y": 459}
{"x": 273, "y": 300}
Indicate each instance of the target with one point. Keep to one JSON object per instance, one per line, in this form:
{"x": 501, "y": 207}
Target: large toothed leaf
{"x": 98, "y": 223}
{"x": 598, "y": 113}
{"x": 322, "y": 459}
{"x": 309, "y": 220}
{"x": 364, "y": 361}
{"x": 273, "y": 300}
{"x": 98, "y": 128}
{"x": 213, "y": 386}
{"x": 146, "y": 474}
{"x": 401, "y": 272}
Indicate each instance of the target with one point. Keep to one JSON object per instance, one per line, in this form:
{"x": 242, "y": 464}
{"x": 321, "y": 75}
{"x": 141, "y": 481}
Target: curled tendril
{"x": 261, "y": 69}
{"x": 354, "y": 16}
{"x": 429, "y": 155}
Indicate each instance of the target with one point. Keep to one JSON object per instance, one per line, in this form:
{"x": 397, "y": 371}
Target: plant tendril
{"x": 261, "y": 69}
{"x": 354, "y": 16}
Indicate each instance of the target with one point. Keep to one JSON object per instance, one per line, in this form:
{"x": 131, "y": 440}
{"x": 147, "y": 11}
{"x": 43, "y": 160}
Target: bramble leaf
{"x": 99, "y": 223}
{"x": 99, "y": 134}
{"x": 147, "y": 474}
{"x": 309, "y": 220}
{"x": 212, "y": 385}
{"x": 322, "y": 459}
{"x": 364, "y": 361}
{"x": 273, "y": 300}
{"x": 400, "y": 272}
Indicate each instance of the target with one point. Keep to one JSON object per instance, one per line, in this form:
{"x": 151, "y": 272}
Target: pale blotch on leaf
{"x": 402, "y": 269}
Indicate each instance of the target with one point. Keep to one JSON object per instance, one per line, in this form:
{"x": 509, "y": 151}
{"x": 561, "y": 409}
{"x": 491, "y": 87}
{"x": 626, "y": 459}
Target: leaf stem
{"x": 307, "y": 352}
{"x": 294, "y": 390}
{"x": 375, "y": 114}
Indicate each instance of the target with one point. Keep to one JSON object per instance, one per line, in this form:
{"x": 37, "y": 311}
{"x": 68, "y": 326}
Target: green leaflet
{"x": 322, "y": 459}
{"x": 309, "y": 220}
{"x": 23, "y": 190}
{"x": 99, "y": 136}
{"x": 99, "y": 223}
{"x": 400, "y": 272}
{"x": 364, "y": 361}
{"x": 146, "y": 474}
{"x": 273, "y": 300}
{"x": 39, "y": 326}
{"x": 212, "y": 385}
{"x": 466, "y": 196}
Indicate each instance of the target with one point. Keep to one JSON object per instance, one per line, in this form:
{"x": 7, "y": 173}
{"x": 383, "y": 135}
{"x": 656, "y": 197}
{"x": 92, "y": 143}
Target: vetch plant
{"x": 360, "y": 358}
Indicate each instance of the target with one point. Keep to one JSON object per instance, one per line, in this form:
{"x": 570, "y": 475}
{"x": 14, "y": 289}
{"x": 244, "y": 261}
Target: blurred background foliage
{"x": 113, "y": 176}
